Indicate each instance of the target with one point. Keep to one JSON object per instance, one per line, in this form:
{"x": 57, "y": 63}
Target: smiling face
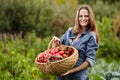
{"x": 83, "y": 18}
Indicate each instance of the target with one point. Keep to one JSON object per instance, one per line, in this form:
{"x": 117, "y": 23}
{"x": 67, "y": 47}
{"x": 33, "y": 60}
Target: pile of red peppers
{"x": 54, "y": 54}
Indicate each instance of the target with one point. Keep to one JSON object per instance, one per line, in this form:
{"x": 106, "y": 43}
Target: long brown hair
{"x": 91, "y": 25}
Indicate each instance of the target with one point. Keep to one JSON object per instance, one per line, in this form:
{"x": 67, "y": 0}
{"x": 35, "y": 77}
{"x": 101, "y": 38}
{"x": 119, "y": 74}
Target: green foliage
{"x": 104, "y": 9}
{"x": 25, "y": 16}
{"x": 102, "y": 68}
{"x": 37, "y": 15}
{"x": 45, "y": 18}
{"x": 18, "y": 60}
{"x": 109, "y": 46}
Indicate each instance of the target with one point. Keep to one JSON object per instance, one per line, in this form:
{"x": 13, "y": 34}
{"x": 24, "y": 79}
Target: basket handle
{"x": 51, "y": 41}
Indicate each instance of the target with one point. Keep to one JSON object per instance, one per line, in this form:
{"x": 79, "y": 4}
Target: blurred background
{"x": 27, "y": 26}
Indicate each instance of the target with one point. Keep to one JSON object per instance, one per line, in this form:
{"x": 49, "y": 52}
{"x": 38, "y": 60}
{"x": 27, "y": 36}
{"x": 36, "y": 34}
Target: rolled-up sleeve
{"x": 92, "y": 47}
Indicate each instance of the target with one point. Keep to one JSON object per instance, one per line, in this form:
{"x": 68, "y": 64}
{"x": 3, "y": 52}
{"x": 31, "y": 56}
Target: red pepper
{"x": 61, "y": 52}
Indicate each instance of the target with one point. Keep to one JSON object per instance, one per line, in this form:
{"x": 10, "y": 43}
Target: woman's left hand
{"x": 79, "y": 68}
{"x": 68, "y": 72}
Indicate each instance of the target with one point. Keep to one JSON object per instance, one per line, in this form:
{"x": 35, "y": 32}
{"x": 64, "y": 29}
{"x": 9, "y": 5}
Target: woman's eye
{"x": 83, "y": 16}
{"x": 80, "y": 15}
{"x": 86, "y": 16}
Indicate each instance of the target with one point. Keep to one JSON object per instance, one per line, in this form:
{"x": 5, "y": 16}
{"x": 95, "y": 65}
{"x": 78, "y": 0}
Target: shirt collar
{"x": 86, "y": 31}
{"x": 74, "y": 35}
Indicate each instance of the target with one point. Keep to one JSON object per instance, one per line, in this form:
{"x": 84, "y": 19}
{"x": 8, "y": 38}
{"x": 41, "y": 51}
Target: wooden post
{"x": 4, "y": 40}
{"x": 0, "y": 36}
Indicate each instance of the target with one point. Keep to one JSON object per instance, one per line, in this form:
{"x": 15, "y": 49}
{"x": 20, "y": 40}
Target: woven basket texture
{"x": 59, "y": 67}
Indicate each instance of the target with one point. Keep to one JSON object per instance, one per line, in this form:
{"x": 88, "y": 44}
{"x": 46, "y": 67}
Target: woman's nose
{"x": 83, "y": 17}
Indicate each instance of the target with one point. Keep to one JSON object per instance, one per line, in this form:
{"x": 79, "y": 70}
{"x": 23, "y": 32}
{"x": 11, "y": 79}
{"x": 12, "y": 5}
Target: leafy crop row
{"x": 18, "y": 61}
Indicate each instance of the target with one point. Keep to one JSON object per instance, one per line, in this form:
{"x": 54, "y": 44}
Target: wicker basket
{"x": 59, "y": 67}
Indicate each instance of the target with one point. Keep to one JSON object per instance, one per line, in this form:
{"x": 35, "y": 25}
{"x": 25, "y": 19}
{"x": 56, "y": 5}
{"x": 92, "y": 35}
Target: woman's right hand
{"x": 55, "y": 41}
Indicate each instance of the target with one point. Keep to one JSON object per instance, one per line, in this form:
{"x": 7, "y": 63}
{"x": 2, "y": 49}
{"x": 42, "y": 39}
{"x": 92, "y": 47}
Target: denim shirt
{"x": 86, "y": 46}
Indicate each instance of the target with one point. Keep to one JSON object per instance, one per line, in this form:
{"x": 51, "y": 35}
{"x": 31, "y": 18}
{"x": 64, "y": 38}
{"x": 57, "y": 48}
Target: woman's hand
{"x": 68, "y": 72}
{"x": 55, "y": 41}
{"x": 79, "y": 68}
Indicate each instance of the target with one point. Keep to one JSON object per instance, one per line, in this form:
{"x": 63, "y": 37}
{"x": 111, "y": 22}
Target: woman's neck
{"x": 82, "y": 30}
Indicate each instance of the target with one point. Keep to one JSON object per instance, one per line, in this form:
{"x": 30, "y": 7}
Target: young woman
{"x": 84, "y": 37}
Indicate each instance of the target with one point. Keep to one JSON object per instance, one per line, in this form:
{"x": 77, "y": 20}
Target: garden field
{"x": 27, "y": 26}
